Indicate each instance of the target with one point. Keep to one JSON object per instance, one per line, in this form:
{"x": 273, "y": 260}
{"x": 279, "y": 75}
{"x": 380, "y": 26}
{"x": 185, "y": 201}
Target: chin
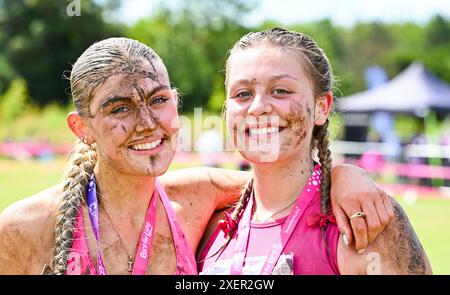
{"x": 159, "y": 167}
{"x": 154, "y": 166}
{"x": 262, "y": 156}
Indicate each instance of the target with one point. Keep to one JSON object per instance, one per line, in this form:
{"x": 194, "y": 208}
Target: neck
{"x": 123, "y": 195}
{"x": 278, "y": 184}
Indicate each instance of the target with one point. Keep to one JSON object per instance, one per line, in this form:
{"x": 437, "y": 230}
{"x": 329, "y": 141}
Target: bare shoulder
{"x": 397, "y": 250}
{"x": 27, "y": 226}
{"x": 32, "y": 210}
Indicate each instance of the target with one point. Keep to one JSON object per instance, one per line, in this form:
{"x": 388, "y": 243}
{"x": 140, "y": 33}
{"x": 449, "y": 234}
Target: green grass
{"x": 431, "y": 221}
{"x": 430, "y": 217}
{"x": 22, "y": 179}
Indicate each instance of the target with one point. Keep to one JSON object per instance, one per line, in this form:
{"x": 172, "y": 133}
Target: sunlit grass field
{"x": 430, "y": 217}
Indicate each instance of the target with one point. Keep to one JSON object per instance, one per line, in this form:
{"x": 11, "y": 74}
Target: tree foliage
{"x": 38, "y": 42}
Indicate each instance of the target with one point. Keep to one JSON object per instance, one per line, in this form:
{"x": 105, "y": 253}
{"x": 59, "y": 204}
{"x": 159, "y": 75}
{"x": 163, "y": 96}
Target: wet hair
{"x": 99, "y": 62}
{"x": 320, "y": 75}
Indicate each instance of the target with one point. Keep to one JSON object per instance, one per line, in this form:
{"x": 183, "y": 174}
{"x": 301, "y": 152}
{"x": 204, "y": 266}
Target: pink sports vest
{"x": 79, "y": 261}
{"x": 305, "y": 252}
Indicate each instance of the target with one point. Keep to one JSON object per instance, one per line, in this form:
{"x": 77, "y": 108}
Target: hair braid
{"x": 321, "y": 137}
{"x": 82, "y": 162}
{"x": 101, "y": 60}
{"x": 241, "y": 204}
{"x": 237, "y": 214}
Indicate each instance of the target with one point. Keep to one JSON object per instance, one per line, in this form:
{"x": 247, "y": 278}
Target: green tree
{"x": 438, "y": 31}
{"x": 41, "y": 41}
{"x": 193, "y": 41}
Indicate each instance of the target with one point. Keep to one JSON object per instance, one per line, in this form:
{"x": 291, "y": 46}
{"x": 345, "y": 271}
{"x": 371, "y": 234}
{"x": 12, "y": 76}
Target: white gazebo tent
{"x": 415, "y": 90}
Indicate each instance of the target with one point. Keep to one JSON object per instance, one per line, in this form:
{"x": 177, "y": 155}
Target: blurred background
{"x": 391, "y": 60}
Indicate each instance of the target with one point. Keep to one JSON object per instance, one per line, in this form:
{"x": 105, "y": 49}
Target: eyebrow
{"x": 271, "y": 79}
{"x": 119, "y": 98}
{"x": 278, "y": 77}
{"x": 156, "y": 89}
{"x": 113, "y": 99}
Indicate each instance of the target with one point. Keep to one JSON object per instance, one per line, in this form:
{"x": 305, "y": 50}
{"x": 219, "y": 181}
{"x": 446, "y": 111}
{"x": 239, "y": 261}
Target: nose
{"x": 260, "y": 106}
{"x": 145, "y": 120}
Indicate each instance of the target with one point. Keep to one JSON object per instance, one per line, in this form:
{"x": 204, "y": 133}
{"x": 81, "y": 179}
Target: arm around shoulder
{"x": 397, "y": 250}
{"x": 218, "y": 186}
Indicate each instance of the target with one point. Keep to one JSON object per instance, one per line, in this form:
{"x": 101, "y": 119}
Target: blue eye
{"x": 120, "y": 109}
{"x": 159, "y": 100}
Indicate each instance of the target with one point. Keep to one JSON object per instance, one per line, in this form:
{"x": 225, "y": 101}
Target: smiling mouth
{"x": 147, "y": 146}
{"x": 251, "y": 132}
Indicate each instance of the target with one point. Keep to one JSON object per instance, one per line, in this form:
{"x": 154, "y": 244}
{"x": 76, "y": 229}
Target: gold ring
{"x": 358, "y": 214}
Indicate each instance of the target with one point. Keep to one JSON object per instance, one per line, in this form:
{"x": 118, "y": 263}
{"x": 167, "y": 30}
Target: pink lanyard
{"x": 145, "y": 242}
{"x": 240, "y": 250}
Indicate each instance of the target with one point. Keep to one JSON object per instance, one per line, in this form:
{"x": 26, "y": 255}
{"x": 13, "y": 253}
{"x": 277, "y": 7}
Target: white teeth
{"x": 146, "y": 146}
{"x": 263, "y": 131}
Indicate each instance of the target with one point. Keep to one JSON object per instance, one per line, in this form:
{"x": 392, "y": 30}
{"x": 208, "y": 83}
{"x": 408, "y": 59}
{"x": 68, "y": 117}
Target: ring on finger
{"x": 358, "y": 214}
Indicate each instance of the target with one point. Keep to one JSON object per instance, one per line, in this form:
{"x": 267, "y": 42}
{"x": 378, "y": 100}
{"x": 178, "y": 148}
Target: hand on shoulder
{"x": 397, "y": 250}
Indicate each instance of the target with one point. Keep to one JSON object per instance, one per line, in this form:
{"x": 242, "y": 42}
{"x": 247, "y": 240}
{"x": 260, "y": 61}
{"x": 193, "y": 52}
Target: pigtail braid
{"x": 321, "y": 136}
{"x": 322, "y": 143}
{"x": 82, "y": 162}
{"x": 236, "y": 215}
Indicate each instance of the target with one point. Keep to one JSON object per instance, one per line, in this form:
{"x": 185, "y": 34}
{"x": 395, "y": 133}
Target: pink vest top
{"x": 79, "y": 261}
{"x": 305, "y": 252}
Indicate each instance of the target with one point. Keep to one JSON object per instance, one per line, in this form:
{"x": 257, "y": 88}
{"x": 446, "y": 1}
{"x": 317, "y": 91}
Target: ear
{"x": 78, "y": 127}
{"x": 322, "y": 108}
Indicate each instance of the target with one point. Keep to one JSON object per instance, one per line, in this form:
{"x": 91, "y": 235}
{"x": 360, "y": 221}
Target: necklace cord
{"x": 273, "y": 214}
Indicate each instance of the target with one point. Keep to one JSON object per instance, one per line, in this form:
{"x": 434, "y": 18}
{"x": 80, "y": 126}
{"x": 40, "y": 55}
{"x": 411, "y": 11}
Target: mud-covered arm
{"x": 217, "y": 187}
{"x": 14, "y": 248}
{"x": 397, "y": 250}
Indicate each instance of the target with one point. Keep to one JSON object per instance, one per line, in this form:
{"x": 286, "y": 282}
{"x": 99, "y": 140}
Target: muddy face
{"x": 269, "y": 101}
{"x": 299, "y": 124}
{"x": 134, "y": 121}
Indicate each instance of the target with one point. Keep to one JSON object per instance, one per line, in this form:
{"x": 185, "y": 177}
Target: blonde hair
{"x": 99, "y": 62}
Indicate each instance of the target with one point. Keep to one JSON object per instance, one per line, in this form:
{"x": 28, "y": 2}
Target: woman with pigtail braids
{"x": 279, "y": 87}
{"x": 116, "y": 206}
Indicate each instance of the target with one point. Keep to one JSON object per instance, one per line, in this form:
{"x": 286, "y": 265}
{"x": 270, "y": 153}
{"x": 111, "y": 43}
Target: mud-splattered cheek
{"x": 111, "y": 136}
{"x": 298, "y": 124}
{"x": 118, "y": 126}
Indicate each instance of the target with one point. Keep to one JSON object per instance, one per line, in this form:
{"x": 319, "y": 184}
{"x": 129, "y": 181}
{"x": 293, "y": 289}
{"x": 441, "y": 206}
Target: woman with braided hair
{"x": 115, "y": 212}
{"x": 279, "y": 95}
